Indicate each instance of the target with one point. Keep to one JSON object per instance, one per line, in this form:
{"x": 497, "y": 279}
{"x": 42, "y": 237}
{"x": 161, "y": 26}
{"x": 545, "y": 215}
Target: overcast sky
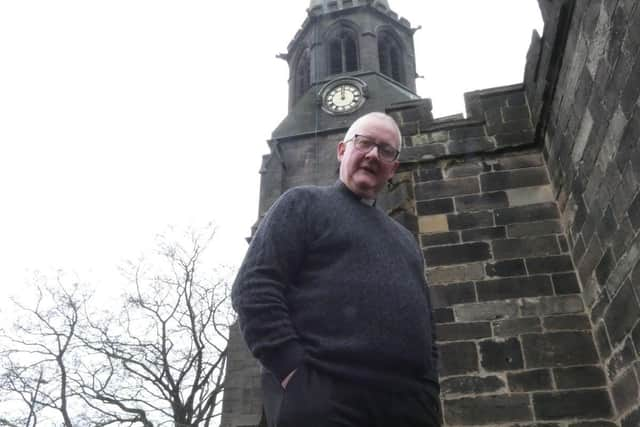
{"x": 119, "y": 118}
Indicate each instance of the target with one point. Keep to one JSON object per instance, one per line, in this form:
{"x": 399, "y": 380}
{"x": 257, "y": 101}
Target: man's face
{"x": 366, "y": 173}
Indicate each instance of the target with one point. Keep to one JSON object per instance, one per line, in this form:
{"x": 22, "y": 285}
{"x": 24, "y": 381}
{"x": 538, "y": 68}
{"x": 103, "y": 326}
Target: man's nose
{"x": 373, "y": 149}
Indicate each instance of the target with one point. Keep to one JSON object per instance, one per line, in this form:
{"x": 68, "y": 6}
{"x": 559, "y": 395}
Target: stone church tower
{"x": 527, "y": 210}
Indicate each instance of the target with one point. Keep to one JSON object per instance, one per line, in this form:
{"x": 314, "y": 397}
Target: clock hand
{"x": 342, "y": 92}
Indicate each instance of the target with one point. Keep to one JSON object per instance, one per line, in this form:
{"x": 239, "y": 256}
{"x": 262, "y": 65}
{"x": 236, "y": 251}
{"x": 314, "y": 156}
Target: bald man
{"x": 332, "y": 299}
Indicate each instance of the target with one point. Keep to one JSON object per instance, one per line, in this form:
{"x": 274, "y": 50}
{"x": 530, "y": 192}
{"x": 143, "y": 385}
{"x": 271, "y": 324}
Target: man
{"x": 332, "y": 300}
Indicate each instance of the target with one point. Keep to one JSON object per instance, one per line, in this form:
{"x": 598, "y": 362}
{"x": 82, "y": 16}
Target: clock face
{"x": 343, "y": 98}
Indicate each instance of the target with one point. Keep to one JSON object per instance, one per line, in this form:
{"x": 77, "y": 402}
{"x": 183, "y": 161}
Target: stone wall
{"x": 515, "y": 338}
{"x": 590, "y": 125}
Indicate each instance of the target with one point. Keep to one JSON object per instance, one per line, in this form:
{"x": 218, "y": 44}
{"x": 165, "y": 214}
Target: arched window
{"x": 302, "y": 76}
{"x": 343, "y": 52}
{"x": 390, "y": 56}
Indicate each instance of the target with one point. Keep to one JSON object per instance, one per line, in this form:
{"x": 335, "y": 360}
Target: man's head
{"x": 364, "y": 168}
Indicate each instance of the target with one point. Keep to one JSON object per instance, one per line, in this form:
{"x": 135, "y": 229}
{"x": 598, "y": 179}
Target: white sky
{"x": 121, "y": 117}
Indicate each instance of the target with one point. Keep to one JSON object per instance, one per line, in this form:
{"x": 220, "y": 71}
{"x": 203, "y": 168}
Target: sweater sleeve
{"x": 270, "y": 266}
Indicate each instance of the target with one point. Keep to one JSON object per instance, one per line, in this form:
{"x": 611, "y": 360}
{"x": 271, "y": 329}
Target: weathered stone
{"x": 433, "y": 224}
{"x": 464, "y": 331}
{"x": 551, "y": 264}
{"x": 530, "y": 195}
{"x": 551, "y": 305}
{"x": 457, "y": 254}
{"x": 531, "y": 229}
{"x": 448, "y": 295}
{"x": 557, "y": 349}
{"x": 434, "y": 207}
{"x": 483, "y": 234}
{"x": 517, "y": 178}
{"x": 528, "y": 213}
{"x": 439, "y": 189}
{"x": 457, "y": 358}
{"x": 625, "y": 391}
{"x": 487, "y": 410}
{"x": 512, "y": 327}
{"x": 514, "y": 287}
{"x": 512, "y": 267}
{"x": 470, "y": 220}
{"x": 490, "y": 310}
{"x": 579, "y": 377}
{"x": 471, "y": 385}
{"x": 501, "y": 355}
{"x": 534, "y": 380}
{"x": 579, "y": 404}
{"x": 565, "y": 283}
{"x": 525, "y": 247}
{"x": 482, "y": 201}
{"x": 622, "y": 314}
{"x": 437, "y": 239}
{"x": 579, "y": 322}
{"x": 455, "y": 274}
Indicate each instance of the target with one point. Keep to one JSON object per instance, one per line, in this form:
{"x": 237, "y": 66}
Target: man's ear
{"x": 341, "y": 148}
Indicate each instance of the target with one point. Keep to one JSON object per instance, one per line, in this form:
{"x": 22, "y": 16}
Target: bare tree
{"x": 36, "y": 355}
{"x": 162, "y": 359}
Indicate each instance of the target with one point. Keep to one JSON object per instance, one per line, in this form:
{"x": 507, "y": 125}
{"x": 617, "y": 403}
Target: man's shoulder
{"x": 308, "y": 193}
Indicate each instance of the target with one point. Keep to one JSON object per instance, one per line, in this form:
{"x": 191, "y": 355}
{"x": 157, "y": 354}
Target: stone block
{"x": 552, "y": 305}
{"x": 525, "y": 247}
{"x": 448, "y": 295}
{"x": 437, "y": 239}
{"x": 579, "y": 377}
{"x": 457, "y": 273}
{"x": 621, "y": 359}
{"x": 516, "y": 178}
{"x": 527, "y": 381}
{"x": 559, "y": 349}
{"x": 457, "y": 358}
{"x": 590, "y": 259}
{"x": 459, "y": 170}
{"x": 440, "y": 189}
{"x": 622, "y": 314}
{"x": 513, "y": 327}
{"x": 428, "y": 174}
{"x": 514, "y": 287}
{"x": 572, "y": 322}
{"x": 534, "y": 228}
{"x": 501, "y": 355}
{"x": 625, "y": 391}
{"x": 550, "y": 264}
{"x": 508, "y": 268}
{"x": 578, "y": 404}
{"x": 464, "y": 331}
{"x": 602, "y": 341}
{"x": 604, "y": 267}
{"x": 464, "y": 132}
{"x": 471, "y": 385}
{"x": 471, "y": 145}
{"x": 512, "y": 113}
{"x": 433, "y": 207}
{"x": 443, "y": 315}
{"x": 634, "y": 212}
{"x": 530, "y": 195}
{"x": 528, "y": 213}
{"x": 490, "y": 310}
{"x": 632, "y": 419}
{"x": 487, "y": 410}
{"x": 480, "y": 234}
{"x": 519, "y": 162}
{"x": 565, "y": 283}
{"x": 468, "y": 220}
{"x": 483, "y": 201}
{"x": 624, "y": 266}
{"x": 433, "y": 224}
{"x": 457, "y": 254}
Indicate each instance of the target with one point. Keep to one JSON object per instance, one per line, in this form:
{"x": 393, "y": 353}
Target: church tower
{"x": 349, "y": 58}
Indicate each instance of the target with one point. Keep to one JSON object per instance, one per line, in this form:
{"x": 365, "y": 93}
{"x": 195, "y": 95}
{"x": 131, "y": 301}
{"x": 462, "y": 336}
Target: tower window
{"x": 303, "y": 74}
{"x": 343, "y": 52}
{"x": 390, "y": 56}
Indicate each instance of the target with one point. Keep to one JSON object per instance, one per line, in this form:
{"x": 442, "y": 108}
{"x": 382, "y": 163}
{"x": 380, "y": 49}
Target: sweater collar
{"x": 343, "y": 187}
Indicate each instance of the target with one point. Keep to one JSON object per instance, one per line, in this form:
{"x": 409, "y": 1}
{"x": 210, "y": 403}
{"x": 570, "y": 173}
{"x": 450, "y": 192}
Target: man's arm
{"x": 270, "y": 266}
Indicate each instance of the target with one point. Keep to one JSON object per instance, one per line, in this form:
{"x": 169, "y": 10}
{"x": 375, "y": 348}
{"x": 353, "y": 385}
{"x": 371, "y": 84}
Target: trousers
{"x": 315, "y": 399}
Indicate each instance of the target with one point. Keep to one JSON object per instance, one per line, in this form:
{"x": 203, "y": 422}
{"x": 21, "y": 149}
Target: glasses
{"x": 364, "y": 143}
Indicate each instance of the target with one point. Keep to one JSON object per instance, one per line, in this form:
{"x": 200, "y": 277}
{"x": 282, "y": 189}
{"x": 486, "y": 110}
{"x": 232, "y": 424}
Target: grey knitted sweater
{"x": 337, "y": 284}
